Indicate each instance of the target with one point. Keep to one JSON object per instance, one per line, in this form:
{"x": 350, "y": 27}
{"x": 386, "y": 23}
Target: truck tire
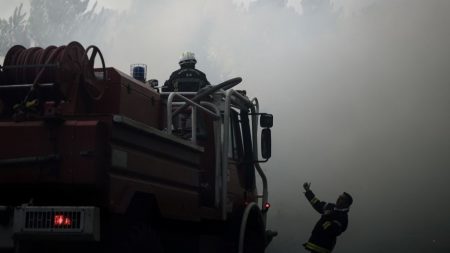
{"x": 140, "y": 231}
{"x": 252, "y": 231}
{"x": 253, "y": 242}
{"x": 143, "y": 238}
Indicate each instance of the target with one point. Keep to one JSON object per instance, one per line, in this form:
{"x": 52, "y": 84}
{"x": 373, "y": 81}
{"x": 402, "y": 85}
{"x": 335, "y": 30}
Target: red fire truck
{"x": 90, "y": 160}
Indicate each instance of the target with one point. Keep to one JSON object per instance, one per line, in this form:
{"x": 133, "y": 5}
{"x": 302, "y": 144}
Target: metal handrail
{"x": 221, "y": 171}
{"x": 30, "y": 66}
{"x": 217, "y": 131}
{"x": 21, "y": 86}
{"x": 195, "y": 106}
{"x": 265, "y": 194}
{"x": 217, "y": 138}
{"x": 229, "y": 94}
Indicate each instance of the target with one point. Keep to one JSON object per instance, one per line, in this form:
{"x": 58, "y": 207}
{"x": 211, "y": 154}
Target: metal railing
{"x": 222, "y": 136}
{"x": 215, "y": 113}
{"x": 194, "y": 105}
{"x": 254, "y": 107}
{"x": 265, "y": 191}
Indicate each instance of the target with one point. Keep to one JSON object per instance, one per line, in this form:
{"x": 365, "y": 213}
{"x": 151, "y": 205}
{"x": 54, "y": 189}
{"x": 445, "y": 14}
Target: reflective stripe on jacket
{"x": 331, "y": 224}
{"x": 315, "y": 248}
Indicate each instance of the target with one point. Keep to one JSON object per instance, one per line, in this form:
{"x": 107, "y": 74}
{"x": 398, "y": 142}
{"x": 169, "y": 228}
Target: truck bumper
{"x": 71, "y": 223}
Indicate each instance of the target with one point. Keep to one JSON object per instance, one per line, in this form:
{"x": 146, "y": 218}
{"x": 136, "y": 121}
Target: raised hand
{"x": 306, "y": 186}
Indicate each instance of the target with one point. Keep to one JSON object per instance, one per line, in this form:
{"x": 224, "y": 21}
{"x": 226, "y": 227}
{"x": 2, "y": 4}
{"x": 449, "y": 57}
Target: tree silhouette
{"x": 57, "y": 22}
{"x": 52, "y": 22}
{"x": 13, "y": 30}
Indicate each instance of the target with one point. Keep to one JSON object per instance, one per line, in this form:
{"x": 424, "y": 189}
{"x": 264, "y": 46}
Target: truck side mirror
{"x": 266, "y": 143}
{"x": 266, "y": 120}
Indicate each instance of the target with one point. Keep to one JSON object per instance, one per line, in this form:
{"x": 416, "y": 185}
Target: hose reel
{"x": 67, "y": 68}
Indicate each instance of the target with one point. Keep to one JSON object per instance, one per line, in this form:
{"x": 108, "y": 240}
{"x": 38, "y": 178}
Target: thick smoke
{"x": 360, "y": 92}
{"x": 361, "y": 96}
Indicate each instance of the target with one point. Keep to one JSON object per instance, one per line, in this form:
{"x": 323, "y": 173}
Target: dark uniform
{"x": 186, "y": 79}
{"x": 332, "y": 223}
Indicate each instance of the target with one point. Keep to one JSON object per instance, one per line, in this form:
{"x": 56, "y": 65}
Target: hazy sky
{"x": 359, "y": 89}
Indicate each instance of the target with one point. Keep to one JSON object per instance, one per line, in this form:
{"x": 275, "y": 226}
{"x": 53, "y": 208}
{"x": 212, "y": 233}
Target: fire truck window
{"x": 235, "y": 149}
{"x": 247, "y": 156}
{"x": 246, "y": 136}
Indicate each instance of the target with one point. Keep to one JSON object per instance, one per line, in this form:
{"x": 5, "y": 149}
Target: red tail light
{"x": 61, "y": 220}
{"x": 267, "y": 205}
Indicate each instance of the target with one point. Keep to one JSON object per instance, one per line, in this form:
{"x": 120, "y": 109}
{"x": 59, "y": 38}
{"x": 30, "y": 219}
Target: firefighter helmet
{"x": 187, "y": 58}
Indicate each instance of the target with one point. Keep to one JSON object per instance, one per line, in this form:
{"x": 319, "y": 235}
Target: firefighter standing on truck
{"x": 187, "y": 79}
{"x": 332, "y": 223}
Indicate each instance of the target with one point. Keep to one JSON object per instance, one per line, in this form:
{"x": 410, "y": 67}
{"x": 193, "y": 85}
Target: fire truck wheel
{"x": 130, "y": 236}
{"x": 142, "y": 238}
{"x": 141, "y": 230}
{"x": 252, "y": 230}
{"x": 252, "y": 241}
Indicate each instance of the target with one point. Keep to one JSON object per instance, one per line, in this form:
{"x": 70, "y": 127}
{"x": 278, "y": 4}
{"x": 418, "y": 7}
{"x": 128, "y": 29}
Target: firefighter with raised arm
{"x": 332, "y": 223}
